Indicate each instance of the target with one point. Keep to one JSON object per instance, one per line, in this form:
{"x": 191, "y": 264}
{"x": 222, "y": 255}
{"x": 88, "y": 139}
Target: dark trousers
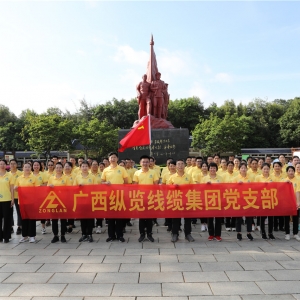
{"x": 145, "y": 223}
{"x": 87, "y": 226}
{"x": 203, "y": 220}
{"x": 230, "y": 222}
{"x": 214, "y": 229}
{"x": 5, "y": 213}
{"x": 115, "y": 228}
{"x": 176, "y": 222}
{"x": 239, "y": 222}
{"x": 71, "y": 222}
{"x": 168, "y": 221}
{"x": 270, "y": 224}
{"x": 295, "y": 223}
{"x": 28, "y": 228}
{"x": 99, "y": 222}
{"x": 19, "y": 221}
{"x": 63, "y": 225}
{"x": 278, "y": 222}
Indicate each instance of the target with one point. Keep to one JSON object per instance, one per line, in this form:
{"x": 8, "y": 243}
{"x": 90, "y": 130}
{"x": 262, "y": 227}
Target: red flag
{"x": 138, "y": 136}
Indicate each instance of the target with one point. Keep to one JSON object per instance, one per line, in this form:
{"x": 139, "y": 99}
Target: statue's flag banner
{"x": 138, "y": 136}
{"x": 158, "y": 201}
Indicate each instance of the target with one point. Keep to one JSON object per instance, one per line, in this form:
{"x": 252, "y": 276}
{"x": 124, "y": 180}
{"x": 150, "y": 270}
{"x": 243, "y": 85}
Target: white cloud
{"x": 129, "y": 55}
{"x": 223, "y": 78}
{"x": 199, "y": 91}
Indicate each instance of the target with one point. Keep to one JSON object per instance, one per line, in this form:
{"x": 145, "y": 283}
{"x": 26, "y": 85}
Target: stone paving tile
{"x": 15, "y": 298}
{"x": 233, "y": 257}
{"x": 101, "y": 245}
{"x": 99, "y": 268}
{"x": 263, "y": 265}
{"x": 179, "y": 267}
{"x": 285, "y": 274}
{"x": 176, "y": 251}
{"x": 141, "y": 289}
{"x": 294, "y": 256}
{"x": 147, "y": 245}
{"x": 24, "y": 268}
{"x": 130, "y": 259}
{"x": 62, "y": 246}
{"x": 249, "y": 275}
{"x": 37, "y": 252}
{"x": 268, "y": 297}
{"x": 160, "y": 277}
{"x": 96, "y": 252}
{"x": 215, "y": 298}
{"x": 11, "y": 252}
{"x": 7, "y": 289}
{"x": 221, "y": 266}
{"x": 296, "y": 296}
{"x": 61, "y": 268}
{"x": 250, "y": 250}
{"x": 271, "y": 256}
{"x": 204, "y": 276}
{"x": 53, "y": 290}
{"x": 25, "y": 246}
{"x": 185, "y": 289}
{"x": 278, "y": 249}
{"x": 110, "y": 298}
{"x": 196, "y": 258}
{"x": 210, "y": 250}
{"x": 118, "y": 245}
{"x": 235, "y": 288}
{"x": 291, "y": 265}
{"x": 3, "y": 276}
{"x": 56, "y": 298}
{"x": 100, "y": 289}
{"x": 141, "y": 252}
{"x": 140, "y": 268}
{"x": 83, "y": 259}
{"x": 69, "y": 252}
{"x": 117, "y": 277}
{"x": 47, "y": 259}
{"x": 28, "y": 278}
{"x": 162, "y": 298}
{"x": 159, "y": 258}
{"x": 279, "y": 287}
{"x": 72, "y": 278}
{"x": 15, "y": 259}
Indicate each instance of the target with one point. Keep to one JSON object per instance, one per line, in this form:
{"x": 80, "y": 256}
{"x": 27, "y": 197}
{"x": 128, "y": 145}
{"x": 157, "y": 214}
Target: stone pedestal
{"x": 156, "y": 123}
{"x": 164, "y": 143}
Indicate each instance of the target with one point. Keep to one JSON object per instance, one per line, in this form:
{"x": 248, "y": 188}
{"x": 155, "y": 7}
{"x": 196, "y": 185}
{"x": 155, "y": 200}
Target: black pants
{"x": 63, "y": 225}
{"x": 214, "y": 229}
{"x": 176, "y": 222}
{"x": 203, "y": 220}
{"x": 270, "y": 224}
{"x": 71, "y": 222}
{"x": 143, "y": 223}
{"x": 28, "y": 228}
{"x": 295, "y": 223}
{"x": 99, "y": 222}
{"x": 230, "y": 222}
{"x": 87, "y": 226}
{"x": 278, "y": 222}
{"x": 115, "y": 228}
{"x": 239, "y": 222}
{"x": 168, "y": 221}
{"x": 19, "y": 221}
{"x": 5, "y": 213}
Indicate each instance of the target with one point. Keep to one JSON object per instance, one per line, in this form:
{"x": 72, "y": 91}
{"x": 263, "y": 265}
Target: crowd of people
{"x": 192, "y": 170}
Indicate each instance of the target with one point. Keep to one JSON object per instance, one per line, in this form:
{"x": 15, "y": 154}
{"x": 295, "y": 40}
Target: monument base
{"x": 165, "y": 143}
{"x": 156, "y": 123}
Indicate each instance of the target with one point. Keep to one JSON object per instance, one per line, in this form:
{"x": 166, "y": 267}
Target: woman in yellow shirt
{"x": 266, "y": 177}
{"x": 58, "y": 180}
{"x": 214, "y": 230}
{"x": 13, "y": 164}
{"x": 290, "y": 170}
{"x": 241, "y": 178}
{"x": 297, "y": 170}
{"x": 85, "y": 178}
{"x": 6, "y": 201}
{"x": 28, "y": 225}
{"x": 69, "y": 174}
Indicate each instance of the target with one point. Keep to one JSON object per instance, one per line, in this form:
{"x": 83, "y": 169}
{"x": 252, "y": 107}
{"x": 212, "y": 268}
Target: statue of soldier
{"x": 158, "y": 87}
{"x": 143, "y": 97}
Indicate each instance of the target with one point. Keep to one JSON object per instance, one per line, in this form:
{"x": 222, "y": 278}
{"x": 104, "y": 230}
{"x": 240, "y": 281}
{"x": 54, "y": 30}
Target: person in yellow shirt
{"x": 6, "y": 201}
{"x": 28, "y": 226}
{"x": 188, "y": 163}
{"x": 266, "y": 177}
{"x": 243, "y": 177}
{"x": 130, "y": 171}
{"x": 50, "y": 170}
{"x": 210, "y": 159}
{"x": 95, "y": 171}
{"x": 297, "y": 172}
{"x": 85, "y": 178}
{"x": 193, "y": 172}
{"x": 197, "y": 177}
{"x": 230, "y": 174}
{"x": 214, "y": 230}
{"x": 101, "y": 167}
{"x": 13, "y": 164}
{"x": 145, "y": 176}
{"x": 42, "y": 180}
{"x": 74, "y": 168}
{"x": 180, "y": 178}
{"x": 223, "y": 169}
{"x": 236, "y": 168}
{"x": 114, "y": 174}
{"x": 253, "y": 170}
{"x": 217, "y": 160}
{"x": 290, "y": 170}
{"x": 165, "y": 169}
{"x": 59, "y": 179}
{"x": 281, "y": 158}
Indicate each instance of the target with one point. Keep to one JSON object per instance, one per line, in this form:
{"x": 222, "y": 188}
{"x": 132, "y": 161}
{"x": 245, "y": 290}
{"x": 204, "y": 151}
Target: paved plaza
{"x": 228, "y": 270}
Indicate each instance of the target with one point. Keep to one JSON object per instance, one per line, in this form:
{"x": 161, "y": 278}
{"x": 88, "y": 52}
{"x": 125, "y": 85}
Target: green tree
{"x": 97, "y": 137}
{"x": 290, "y": 124}
{"x": 221, "y": 135}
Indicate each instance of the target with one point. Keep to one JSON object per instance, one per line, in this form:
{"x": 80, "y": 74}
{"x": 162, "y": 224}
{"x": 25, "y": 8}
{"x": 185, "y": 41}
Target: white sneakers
{"x": 228, "y": 228}
{"x": 287, "y": 237}
{"x": 202, "y": 227}
{"x": 24, "y": 239}
{"x": 258, "y": 228}
{"x": 32, "y": 239}
{"x": 98, "y": 230}
{"x": 297, "y": 237}
{"x": 43, "y": 230}
{"x": 233, "y": 229}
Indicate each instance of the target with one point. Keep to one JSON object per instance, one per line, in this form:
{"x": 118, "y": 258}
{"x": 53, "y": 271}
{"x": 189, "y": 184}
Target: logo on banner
{"x": 52, "y": 204}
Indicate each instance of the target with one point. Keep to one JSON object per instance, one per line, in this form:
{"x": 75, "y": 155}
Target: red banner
{"x": 158, "y": 201}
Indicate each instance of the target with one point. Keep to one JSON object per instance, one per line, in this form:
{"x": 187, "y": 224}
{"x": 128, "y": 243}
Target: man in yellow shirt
{"x": 253, "y": 171}
{"x": 165, "y": 170}
{"x": 197, "y": 170}
{"x": 114, "y": 174}
{"x": 188, "y": 163}
{"x": 179, "y": 178}
{"x": 217, "y": 160}
{"x": 223, "y": 170}
{"x": 145, "y": 176}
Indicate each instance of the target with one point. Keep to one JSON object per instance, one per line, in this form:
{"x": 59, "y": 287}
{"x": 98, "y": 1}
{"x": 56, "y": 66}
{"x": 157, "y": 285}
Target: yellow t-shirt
{"x": 6, "y": 181}
{"x": 277, "y": 178}
{"x": 148, "y": 177}
{"x": 221, "y": 172}
{"x": 177, "y": 179}
{"x": 15, "y": 176}
{"x": 166, "y": 177}
{"x": 186, "y": 169}
{"x": 228, "y": 177}
{"x": 191, "y": 170}
{"x": 47, "y": 174}
{"x": 195, "y": 171}
{"x": 240, "y": 178}
{"x": 251, "y": 172}
{"x": 296, "y": 183}
{"x": 30, "y": 180}
{"x": 261, "y": 178}
{"x": 217, "y": 179}
{"x": 88, "y": 180}
{"x": 114, "y": 175}
{"x": 58, "y": 181}
{"x": 164, "y": 171}
{"x": 98, "y": 176}
{"x": 42, "y": 178}
{"x": 70, "y": 179}
{"x": 156, "y": 169}
{"x": 130, "y": 173}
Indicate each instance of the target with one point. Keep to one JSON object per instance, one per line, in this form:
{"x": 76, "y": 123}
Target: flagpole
{"x": 149, "y": 133}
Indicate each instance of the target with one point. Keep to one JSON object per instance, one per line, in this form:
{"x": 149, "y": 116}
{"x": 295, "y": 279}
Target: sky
{"x": 53, "y": 54}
